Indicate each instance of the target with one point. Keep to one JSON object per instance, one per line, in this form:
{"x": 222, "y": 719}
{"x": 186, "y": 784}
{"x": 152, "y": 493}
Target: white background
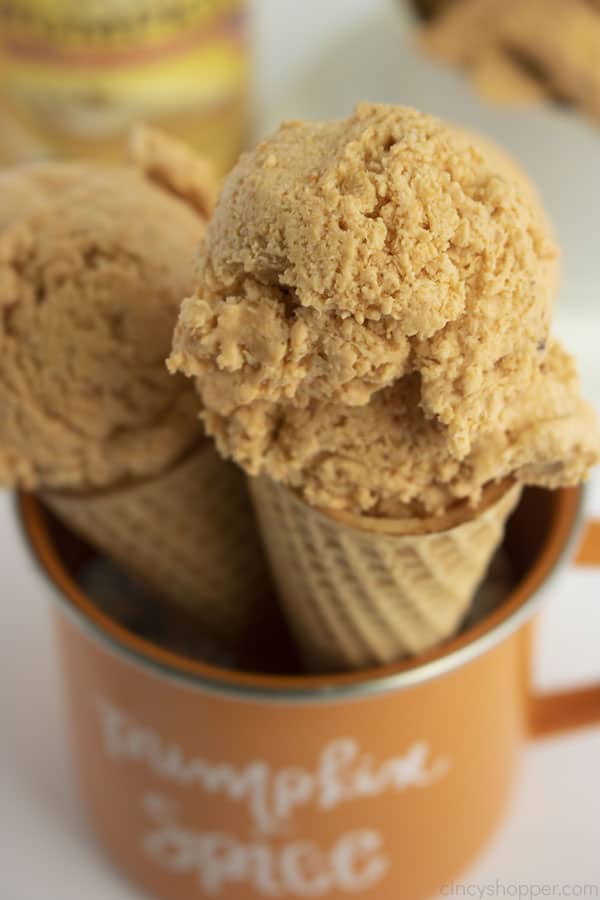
{"x": 316, "y": 58}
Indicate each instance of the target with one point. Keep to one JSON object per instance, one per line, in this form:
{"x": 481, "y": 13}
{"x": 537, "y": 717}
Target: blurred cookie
{"x": 427, "y": 9}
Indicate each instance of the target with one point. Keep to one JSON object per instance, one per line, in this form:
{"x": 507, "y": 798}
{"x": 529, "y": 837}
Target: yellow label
{"x": 89, "y": 68}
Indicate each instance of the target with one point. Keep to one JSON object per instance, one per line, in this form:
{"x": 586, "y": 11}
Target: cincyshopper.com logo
{"x": 521, "y": 891}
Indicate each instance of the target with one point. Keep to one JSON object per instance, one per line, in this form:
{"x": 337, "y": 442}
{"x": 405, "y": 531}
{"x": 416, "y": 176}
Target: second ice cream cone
{"x": 360, "y": 591}
{"x": 94, "y": 261}
{"x": 187, "y": 534}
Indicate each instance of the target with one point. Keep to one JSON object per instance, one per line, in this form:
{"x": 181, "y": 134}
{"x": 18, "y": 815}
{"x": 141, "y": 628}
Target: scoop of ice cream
{"x": 254, "y": 346}
{"x": 371, "y": 325}
{"x": 94, "y": 261}
{"x": 345, "y": 255}
{"x": 388, "y": 459}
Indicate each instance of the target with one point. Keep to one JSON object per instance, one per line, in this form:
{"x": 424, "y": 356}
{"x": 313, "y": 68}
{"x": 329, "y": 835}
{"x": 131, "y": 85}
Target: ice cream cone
{"x": 361, "y": 591}
{"x": 370, "y": 327}
{"x": 187, "y": 534}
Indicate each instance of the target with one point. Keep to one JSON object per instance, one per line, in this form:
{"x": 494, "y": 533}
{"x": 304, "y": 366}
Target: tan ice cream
{"x": 372, "y": 321}
{"x": 388, "y": 459}
{"x": 93, "y": 263}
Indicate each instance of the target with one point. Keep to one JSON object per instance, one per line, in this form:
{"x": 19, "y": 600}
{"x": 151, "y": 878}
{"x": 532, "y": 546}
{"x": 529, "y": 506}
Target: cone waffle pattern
{"x": 189, "y": 535}
{"x": 355, "y": 598}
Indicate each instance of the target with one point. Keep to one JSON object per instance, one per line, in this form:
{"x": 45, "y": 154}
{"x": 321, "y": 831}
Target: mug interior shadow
{"x": 269, "y": 648}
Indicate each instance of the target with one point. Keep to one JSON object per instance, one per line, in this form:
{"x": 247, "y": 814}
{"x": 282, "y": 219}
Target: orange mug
{"x": 383, "y": 785}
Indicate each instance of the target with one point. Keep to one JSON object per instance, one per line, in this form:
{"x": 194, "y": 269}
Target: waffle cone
{"x": 188, "y": 534}
{"x": 361, "y": 591}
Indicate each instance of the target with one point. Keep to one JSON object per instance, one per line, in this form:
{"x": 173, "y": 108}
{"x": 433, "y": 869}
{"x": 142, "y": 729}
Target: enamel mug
{"x": 203, "y": 782}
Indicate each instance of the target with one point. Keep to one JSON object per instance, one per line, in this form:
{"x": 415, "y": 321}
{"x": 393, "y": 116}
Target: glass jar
{"x": 76, "y": 74}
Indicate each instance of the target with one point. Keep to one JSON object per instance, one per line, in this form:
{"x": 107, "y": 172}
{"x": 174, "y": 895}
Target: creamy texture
{"x": 93, "y": 263}
{"x": 374, "y": 301}
{"x": 388, "y": 459}
{"x": 523, "y": 50}
{"x": 257, "y": 346}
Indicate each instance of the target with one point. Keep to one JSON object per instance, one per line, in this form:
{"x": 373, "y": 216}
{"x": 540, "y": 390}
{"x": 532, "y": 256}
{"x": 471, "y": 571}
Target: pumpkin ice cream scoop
{"x": 388, "y": 460}
{"x": 345, "y": 255}
{"x": 93, "y": 264}
{"x": 370, "y": 334}
{"x": 94, "y": 261}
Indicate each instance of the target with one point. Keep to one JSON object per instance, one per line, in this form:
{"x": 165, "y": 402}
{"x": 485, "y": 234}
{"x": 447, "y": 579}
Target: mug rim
{"x": 450, "y": 655}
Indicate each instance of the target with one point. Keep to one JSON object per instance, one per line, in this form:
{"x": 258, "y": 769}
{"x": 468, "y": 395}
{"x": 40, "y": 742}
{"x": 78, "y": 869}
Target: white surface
{"x": 551, "y": 833}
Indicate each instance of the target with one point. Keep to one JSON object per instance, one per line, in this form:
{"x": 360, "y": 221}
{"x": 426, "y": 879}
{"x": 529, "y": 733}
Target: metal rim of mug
{"x": 226, "y": 683}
